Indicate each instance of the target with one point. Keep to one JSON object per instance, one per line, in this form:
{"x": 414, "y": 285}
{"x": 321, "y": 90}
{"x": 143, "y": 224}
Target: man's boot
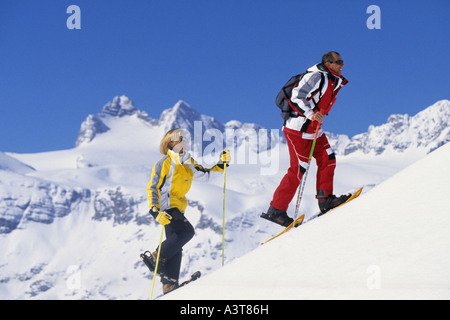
{"x": 278, "y": 216}
{"x": 326, "y": 203}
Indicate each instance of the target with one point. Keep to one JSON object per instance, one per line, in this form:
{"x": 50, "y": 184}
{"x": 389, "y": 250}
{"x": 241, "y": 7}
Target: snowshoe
{"x": 193, "y": 277}
{"x": 150, "y": 261}
{"x": 277, "y": 216}
{"x": 330, "y": 202}
{"x": 169, "y": 287}
{"x": 170, "y": 284}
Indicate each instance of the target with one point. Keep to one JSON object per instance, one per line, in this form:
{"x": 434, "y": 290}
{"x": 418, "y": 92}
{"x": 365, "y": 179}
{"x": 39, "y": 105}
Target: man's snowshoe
{"x": 277, "y": 216}
{"x": 326, "y": 203}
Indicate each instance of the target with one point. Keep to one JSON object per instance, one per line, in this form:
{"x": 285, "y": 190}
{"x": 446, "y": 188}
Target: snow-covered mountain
{"x": 181, "y": 115}
{"x": 427, "y": 130}
{"x": 202, "y": 128}
{"x": 8, "y": 163}
{"x": 119, "y": 107}
{"x": 73, "y": 222}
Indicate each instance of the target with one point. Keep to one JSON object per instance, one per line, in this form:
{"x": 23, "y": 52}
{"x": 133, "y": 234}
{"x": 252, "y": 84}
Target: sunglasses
{"x": 339, "y": 62}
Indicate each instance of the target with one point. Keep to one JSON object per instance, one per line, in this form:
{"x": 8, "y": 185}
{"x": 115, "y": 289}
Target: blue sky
{"x": 227, "y": 59}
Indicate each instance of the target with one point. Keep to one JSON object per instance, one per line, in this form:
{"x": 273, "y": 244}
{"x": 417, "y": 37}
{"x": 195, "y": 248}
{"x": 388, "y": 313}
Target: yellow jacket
{"x": 171, "y": 179}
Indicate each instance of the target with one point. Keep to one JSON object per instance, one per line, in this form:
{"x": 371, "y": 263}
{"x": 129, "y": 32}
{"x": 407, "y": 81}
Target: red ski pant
{"x": 299, "y": 146}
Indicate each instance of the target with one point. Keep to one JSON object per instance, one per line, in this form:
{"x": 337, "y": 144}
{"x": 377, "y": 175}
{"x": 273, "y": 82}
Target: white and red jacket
{"x": 316, "y": 91}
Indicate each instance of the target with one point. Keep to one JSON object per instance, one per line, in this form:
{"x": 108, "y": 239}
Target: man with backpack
{"x": 304, "y": 101}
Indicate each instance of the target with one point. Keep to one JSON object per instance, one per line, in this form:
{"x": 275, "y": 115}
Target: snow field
{"x": 390, "y": 243}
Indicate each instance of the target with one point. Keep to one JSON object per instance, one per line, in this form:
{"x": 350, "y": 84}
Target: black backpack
{"x": 284, "y": 96}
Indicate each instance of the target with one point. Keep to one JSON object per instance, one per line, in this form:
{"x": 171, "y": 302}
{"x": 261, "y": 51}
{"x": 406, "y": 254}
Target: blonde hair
{"x": 169, "y": 137}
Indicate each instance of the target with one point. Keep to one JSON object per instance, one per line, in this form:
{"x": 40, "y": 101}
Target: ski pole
{"x": 303, "y": 181}
{"x": 157, "y": 261}
{"x": 223, "y": 223}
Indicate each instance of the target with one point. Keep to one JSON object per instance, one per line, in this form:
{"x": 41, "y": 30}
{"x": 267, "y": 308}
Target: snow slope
{"x": 393, "y": 242}
{"x": 10, "y": 164}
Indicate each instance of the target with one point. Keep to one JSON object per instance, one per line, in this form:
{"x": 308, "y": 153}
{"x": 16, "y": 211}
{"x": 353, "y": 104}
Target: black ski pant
{"x": 178, "y": 232}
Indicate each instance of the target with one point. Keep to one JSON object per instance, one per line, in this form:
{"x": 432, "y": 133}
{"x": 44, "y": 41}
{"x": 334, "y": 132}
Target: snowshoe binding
{"x": 326, "y": 203}
{"x": 170, "y": 284}
{"x": 150, "y": 261}
{"x": 277, "y": 216}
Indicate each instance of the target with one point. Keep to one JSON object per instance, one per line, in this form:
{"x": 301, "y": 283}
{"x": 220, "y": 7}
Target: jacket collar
{"x": 179, "y": 158}
{"x": 323, "y": 68}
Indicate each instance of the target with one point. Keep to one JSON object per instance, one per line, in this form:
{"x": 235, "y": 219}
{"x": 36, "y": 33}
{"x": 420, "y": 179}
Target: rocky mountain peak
{"x": 119, "y": 107}
{"x": 428, "y": 129}
{"x": 182, "y": 115}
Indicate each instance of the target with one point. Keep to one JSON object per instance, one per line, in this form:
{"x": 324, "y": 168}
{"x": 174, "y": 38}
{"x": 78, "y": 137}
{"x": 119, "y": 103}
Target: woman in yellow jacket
{"x": 171, "y": 179}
